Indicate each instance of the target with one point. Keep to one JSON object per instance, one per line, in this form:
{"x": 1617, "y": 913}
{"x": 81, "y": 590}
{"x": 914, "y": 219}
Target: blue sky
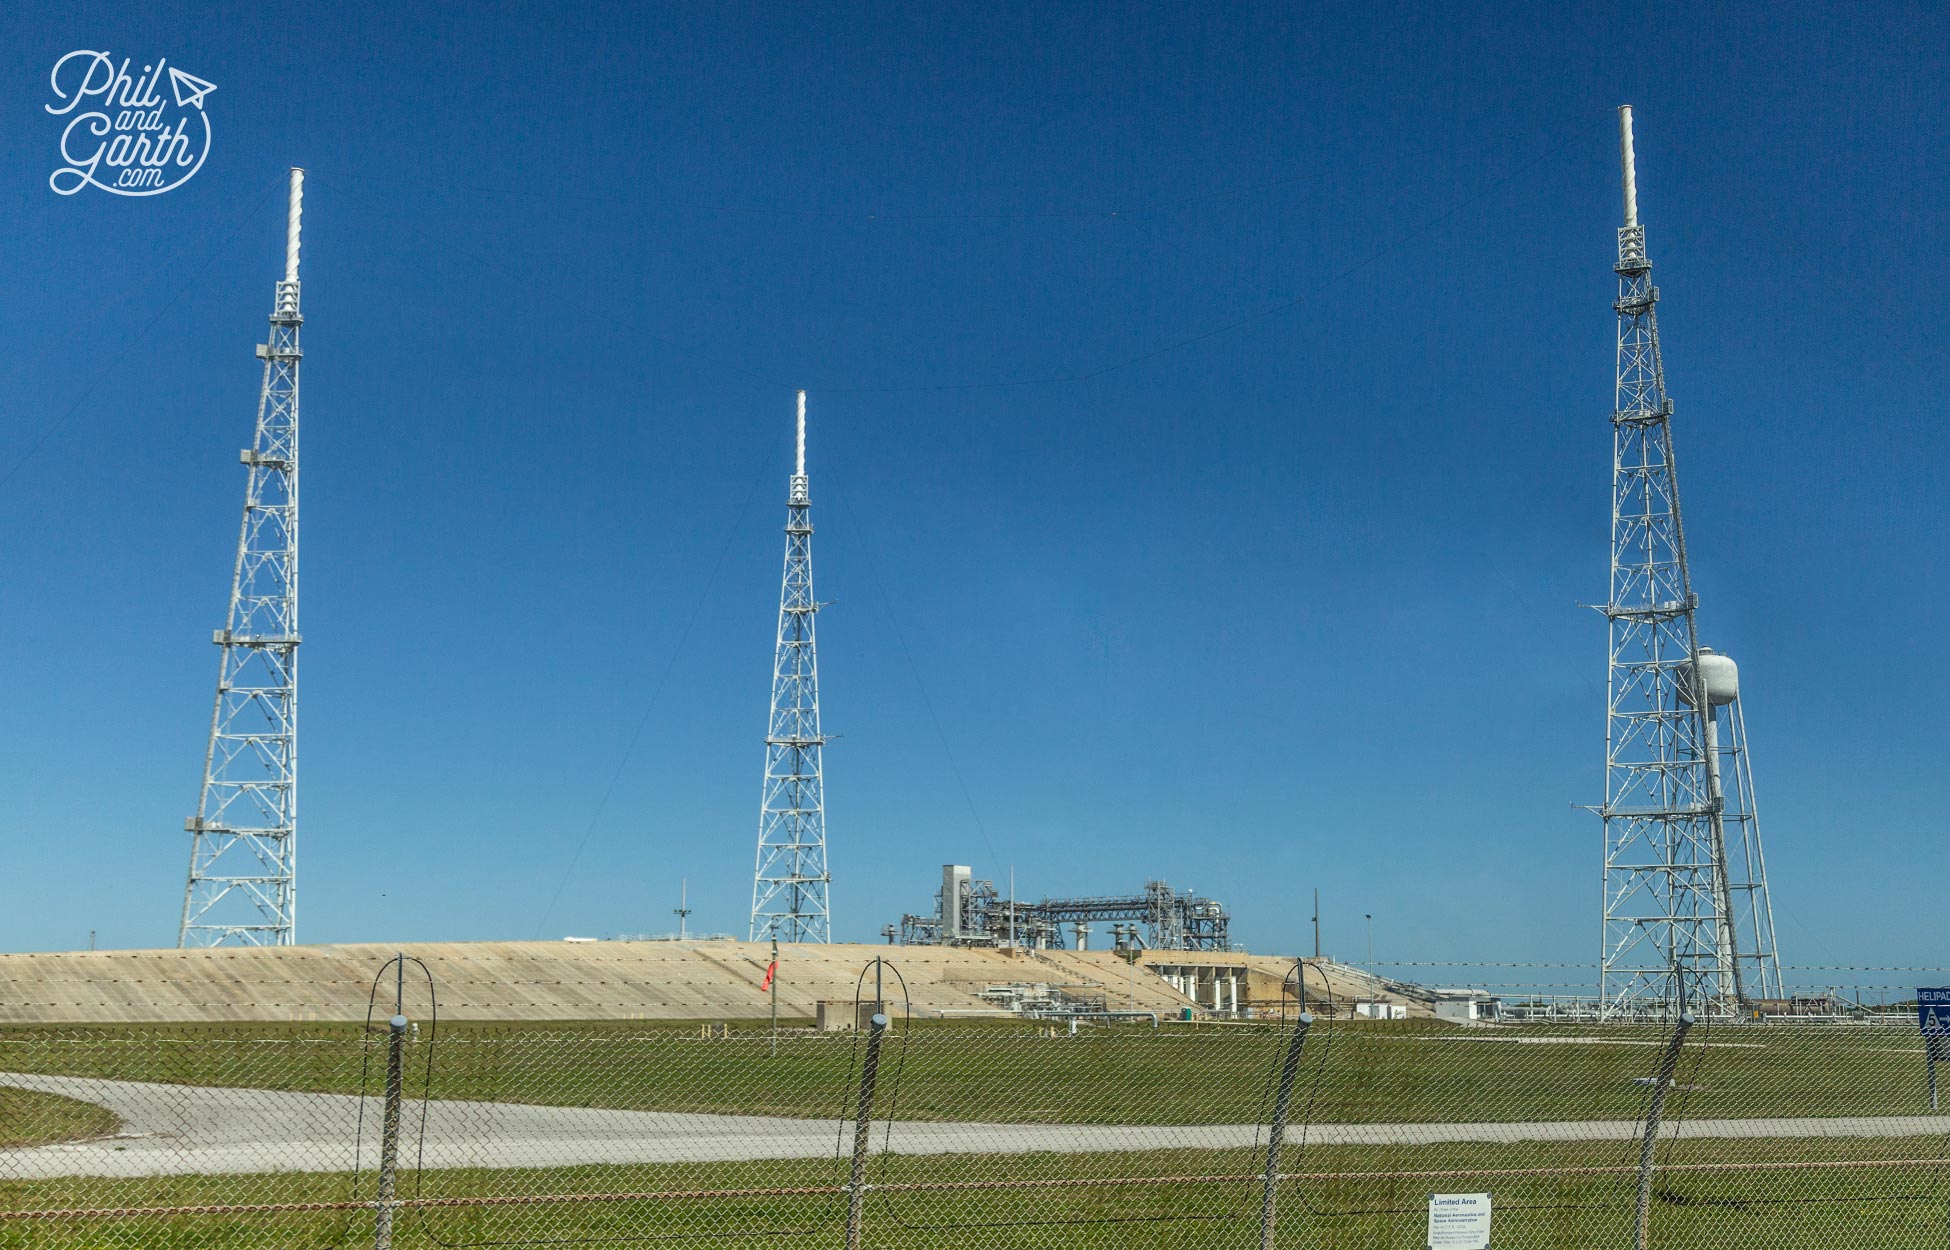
{"x": 1209, "y": 451}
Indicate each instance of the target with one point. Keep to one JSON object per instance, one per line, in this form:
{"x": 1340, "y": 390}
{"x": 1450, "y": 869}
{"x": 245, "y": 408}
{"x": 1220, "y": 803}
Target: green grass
{"x": 1893, "y": 1206}
{"x": 1380, "y": 1072}
{"x": 29, "y": 1118}
{"x": 1015, "y": 1072}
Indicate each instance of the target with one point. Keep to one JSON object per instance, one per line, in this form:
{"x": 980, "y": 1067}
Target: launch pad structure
{"x": 1686, "y": 913}
{"x": 973, "y": 912}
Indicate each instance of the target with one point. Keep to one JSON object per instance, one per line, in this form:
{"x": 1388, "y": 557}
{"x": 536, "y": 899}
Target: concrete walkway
{"x": 172, "y": 1130}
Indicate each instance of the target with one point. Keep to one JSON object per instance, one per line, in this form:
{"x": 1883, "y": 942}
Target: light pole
{"x": 1370, "y": 920}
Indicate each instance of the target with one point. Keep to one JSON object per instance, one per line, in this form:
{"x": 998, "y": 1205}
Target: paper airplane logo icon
{"x": 189, "y": 89}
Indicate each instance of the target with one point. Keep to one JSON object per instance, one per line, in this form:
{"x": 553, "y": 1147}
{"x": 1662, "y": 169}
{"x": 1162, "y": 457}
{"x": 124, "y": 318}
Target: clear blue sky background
{"x": 1209, "y": 451}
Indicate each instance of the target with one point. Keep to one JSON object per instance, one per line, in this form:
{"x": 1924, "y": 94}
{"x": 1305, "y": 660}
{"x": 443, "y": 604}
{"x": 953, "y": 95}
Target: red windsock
{"x": 770, "y": 970}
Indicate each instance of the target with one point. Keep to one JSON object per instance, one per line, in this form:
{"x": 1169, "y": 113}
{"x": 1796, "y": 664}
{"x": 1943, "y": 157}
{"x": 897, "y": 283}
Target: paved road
{"x": 187, "y": 1129}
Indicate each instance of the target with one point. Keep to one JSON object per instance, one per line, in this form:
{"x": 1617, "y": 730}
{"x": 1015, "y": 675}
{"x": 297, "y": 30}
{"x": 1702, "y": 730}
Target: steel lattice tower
{"x": 1685, "y": 884}
{"x": 243, "y": 880}
{"x": 789, "y": 885}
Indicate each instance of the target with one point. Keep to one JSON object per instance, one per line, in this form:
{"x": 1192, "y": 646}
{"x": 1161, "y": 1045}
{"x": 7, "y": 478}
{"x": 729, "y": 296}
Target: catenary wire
{"x": 258, "y": 201}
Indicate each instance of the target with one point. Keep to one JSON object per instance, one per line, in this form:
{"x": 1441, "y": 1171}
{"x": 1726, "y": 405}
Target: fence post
{"x": 1281, "y": 1102}
{"x": 862, "y": 1128}
{"x": 1642, "y": 1216}
{"x": 389, "y": 1136}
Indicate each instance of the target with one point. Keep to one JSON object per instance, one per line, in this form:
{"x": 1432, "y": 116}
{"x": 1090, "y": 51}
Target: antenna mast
{"x": 789, "y": 884}
{"x": 1684, "y": 881}
{"x": 243, "y": 877}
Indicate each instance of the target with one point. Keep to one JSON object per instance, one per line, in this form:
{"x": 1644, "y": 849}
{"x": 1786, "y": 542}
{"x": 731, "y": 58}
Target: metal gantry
{"x": 790, "y": 883}
{"x": 1685, "y": 885}
{"x": 243, "y": 877}
{"x": 972, "y": 912}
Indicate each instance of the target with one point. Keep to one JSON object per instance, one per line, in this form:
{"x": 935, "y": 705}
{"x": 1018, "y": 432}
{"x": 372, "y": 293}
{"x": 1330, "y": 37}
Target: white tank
{"x": 1722, "y": 678}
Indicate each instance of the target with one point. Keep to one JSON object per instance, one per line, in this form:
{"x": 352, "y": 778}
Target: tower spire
{"x": 1628, "y": 166}
{"x": 243, "y": 877}
{"x": 789, "y": 883}
{"x": 1685, "y": 885}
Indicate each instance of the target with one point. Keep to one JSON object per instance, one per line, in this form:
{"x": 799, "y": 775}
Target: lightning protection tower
{"x": 243, "y": 880}
{"x": 789, "y": 885}
{"x": 1685, "y": 884}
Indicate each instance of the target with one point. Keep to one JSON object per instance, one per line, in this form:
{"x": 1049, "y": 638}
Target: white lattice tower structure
{"x": 243, "y": 878}
{"x": 1687, "y": 922}
{"x": 790, "y": 882}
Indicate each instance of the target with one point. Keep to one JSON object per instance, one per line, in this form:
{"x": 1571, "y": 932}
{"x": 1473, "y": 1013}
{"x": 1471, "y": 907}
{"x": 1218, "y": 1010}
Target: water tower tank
{"x": 1722, "y": 678}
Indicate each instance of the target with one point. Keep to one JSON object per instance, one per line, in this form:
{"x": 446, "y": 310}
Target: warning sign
{"x": 1459, "y": 1222}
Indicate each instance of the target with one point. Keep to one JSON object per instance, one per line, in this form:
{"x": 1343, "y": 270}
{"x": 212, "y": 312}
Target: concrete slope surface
{"x": 173, "y": 1130}
{"x": 554, "y": 981}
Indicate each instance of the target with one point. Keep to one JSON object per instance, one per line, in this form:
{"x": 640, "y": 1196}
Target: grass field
{"x": 1785, "y": 1193}
{"x": 1371, "y": 1072}
{"x": 34, "y": 1119}
{"x": 1339, "y": 1199}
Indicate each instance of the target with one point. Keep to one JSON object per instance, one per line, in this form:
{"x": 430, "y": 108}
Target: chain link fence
{"x": 1308, "y": 1127}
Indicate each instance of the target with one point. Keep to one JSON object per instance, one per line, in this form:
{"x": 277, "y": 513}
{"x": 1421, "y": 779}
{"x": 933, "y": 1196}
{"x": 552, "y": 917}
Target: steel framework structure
{"x": 790, "y": 882}
{"x": 243, "y": 875}
{"x": 983, "y": 916}
{"x": 1685, "y": 884}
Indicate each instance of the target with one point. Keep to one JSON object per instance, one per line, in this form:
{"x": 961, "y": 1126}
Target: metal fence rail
{"x": 1322, "y": 1131}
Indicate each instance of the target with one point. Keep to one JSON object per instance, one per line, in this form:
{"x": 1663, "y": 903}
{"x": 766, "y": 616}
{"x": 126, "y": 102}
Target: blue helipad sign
{"x": 1933, "y": 1017}
{"x": 1933, "y": 1012}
